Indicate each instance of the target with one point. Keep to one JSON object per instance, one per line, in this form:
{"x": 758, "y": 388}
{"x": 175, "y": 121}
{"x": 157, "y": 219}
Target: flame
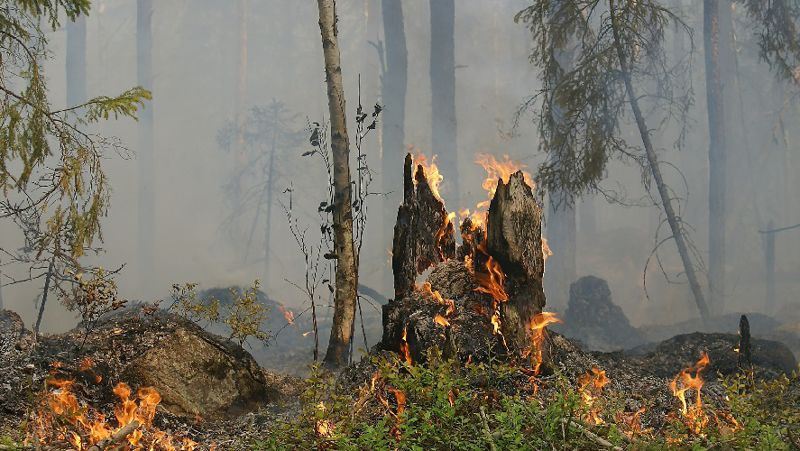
{"x": 694, "y": 415}
{"x": 441, "y": 320}
{"x": 591, "y": 385}
{"x": 492, "y": 282}
{"x": 287, "y": 314}
{"x": 62, "y": 418}
{"x": 323, "y": 427}
{"x": 405, "y": 351}
{"x": 496, "y": 170}
{"x": 632, "y": 422}
{"x": 538, "y": 335}
{"x": 431, "y": 170}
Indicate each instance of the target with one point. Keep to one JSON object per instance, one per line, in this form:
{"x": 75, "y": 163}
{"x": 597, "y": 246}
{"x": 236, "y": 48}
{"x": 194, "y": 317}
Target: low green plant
{"x": 243, "y": 317}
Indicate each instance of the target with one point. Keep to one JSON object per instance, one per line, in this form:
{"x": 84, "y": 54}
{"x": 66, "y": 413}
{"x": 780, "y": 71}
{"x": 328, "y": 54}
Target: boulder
{"x": 593, "y": 319}
{"x": 197, "y": 373}
{"x": 13, "y": 335}
{"x": 201, "y": 375}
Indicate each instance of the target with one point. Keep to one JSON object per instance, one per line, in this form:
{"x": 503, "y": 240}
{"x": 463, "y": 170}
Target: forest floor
{"x": 585, "y": 400}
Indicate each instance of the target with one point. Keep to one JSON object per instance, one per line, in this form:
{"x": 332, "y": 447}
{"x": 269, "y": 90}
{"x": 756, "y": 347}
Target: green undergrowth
{"x": 445, "y": 405}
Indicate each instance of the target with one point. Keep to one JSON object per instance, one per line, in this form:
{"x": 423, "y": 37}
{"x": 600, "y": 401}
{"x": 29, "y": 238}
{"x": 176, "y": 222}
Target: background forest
{"x": 189, "y": 203}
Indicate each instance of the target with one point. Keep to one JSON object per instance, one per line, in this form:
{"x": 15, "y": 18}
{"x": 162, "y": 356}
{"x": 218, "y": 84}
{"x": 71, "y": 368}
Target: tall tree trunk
{"x": 652, "y": 161}
{"x": 76, "y": 61}
{"x": 394, "y": 83}
{"x": 716, "y": 155}
{"x": 270, "y": 200}
{"x": 146, "y": 150}
{"x": 443, "y": 94}
{"x": 240, "y": 99}
{"x": 346, "y": 267}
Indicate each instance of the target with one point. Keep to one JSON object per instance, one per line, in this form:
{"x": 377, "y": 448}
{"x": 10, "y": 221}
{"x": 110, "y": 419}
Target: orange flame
{"x": 694, "y": 415}
{"x": 431, "y": 170}
{"x": 496, "y": 170}
{"x": 405, "y": 351}
{"x": 591, "y": 385}
{"x": 441, "y": 320}
{"x": 538, "y": 335}
{"x": 492, "y": 282}
{"x": 287, "y": 314}
{"x": 63, "y": 418}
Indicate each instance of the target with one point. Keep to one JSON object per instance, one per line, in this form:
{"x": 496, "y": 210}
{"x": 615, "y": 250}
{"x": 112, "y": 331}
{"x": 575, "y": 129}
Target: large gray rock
{"x": 593, "y": 319}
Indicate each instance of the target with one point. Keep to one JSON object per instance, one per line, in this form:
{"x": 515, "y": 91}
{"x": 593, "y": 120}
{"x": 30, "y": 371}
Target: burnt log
{"x": 423, "y": 235}
{"x": 514, "y": 239}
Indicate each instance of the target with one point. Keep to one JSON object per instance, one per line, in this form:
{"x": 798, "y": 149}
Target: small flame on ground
{"x": 538, "y": 330}
{"x": 690, "y": 379}
{"x": 63, "y": 418}
{"x": 441, "y": 320}
{"x": 591, "y": 385}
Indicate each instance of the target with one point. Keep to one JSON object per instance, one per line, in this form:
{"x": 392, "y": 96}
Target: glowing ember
{"x": 441, "y": 320}
{"x": 690, "y": 379}
{"x": 432, "y": 173}
{"x": 591, "y": 385}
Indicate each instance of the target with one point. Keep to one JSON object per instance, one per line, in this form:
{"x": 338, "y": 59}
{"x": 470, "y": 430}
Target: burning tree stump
{"x": 514, "y": 239}
{"x": 423, "y": 234}
{"x": 482, "y": 299}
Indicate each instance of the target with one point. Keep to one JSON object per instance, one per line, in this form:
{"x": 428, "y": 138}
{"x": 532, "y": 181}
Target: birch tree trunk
{"x": 716, "y": 155}
{"x": 443, "y": 94}
{"x": 346, "y": 267}
{"x": 145, "y": 152}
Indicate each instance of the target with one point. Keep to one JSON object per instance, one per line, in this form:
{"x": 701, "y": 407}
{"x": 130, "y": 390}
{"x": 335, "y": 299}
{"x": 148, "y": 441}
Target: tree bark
{"x": 716, "y": 155}
{"x": 652, "y": 160}
{"x": 146, "y": 151}
{"x": 443, "y": 95}
{"x": 394, "y": 83}
{"x": 346, "y": 268}
{"x": 76, "y": 61}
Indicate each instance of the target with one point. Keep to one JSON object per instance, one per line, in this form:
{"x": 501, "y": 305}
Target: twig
{"x": 486, "y": 431}
{"x": 117, "y": 437}
{"x": 591, "y": 435}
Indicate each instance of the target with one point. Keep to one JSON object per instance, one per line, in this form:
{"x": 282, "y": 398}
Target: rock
{"x": 197, "y": 373}
{"x": 593, "y": 319}
{"x": 200, "y": 375}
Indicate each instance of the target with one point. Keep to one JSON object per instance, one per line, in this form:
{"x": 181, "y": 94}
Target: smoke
{"x": 195, "y": 72}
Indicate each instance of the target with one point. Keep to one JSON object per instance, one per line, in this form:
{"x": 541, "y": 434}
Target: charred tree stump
{"x": 745, "y": 349}
{"x": 480, "y": 300}
{"x": 423, "y": 236}
{"x": 514, "y": 239}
